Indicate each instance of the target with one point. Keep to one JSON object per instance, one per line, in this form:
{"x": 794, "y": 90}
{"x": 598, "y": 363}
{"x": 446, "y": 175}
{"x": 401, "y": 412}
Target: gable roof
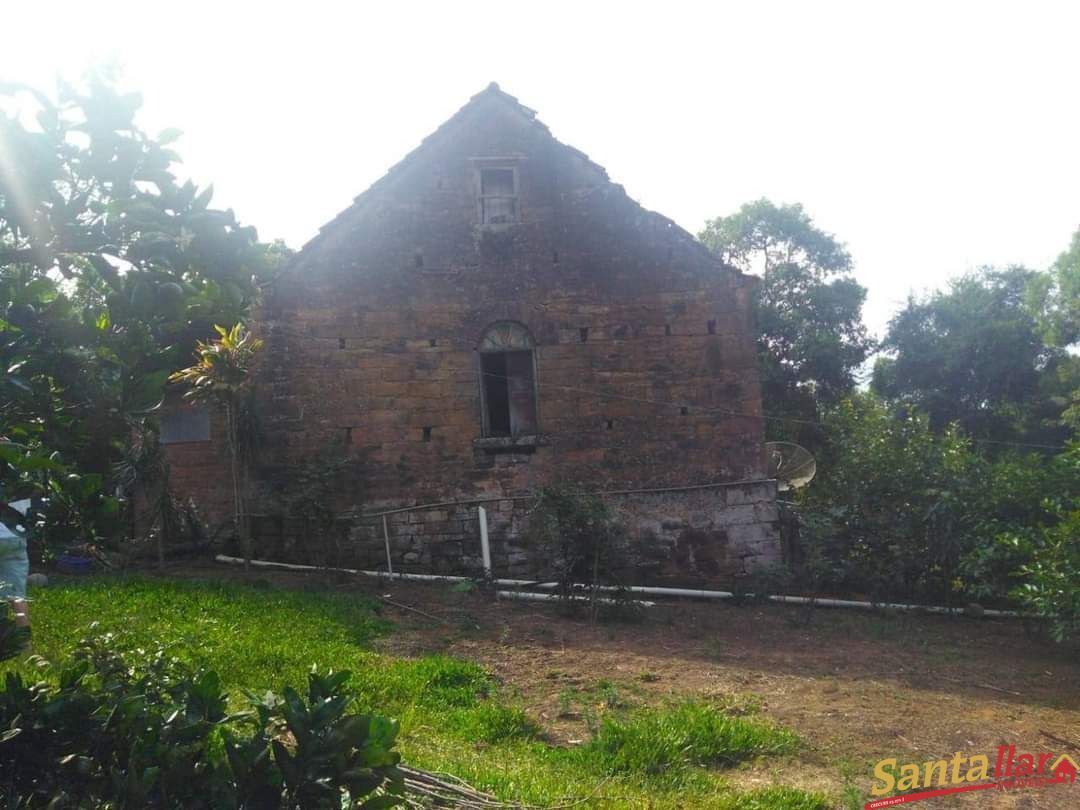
{"x": 491, "y": 93}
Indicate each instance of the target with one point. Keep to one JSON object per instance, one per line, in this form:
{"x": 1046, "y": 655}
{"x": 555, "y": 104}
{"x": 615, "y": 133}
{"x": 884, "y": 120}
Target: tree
{"x": 221, "y": 376}
{"x": 891, "y": 509}
{"x": 110, "y": 269}
{"x": 1054, "y": 297}
{"x": 808, "y": 308}
{"x": 974, "y": 354}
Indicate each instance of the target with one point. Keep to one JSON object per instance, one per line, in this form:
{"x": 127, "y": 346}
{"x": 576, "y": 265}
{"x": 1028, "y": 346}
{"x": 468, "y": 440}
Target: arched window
{"x": 507, "y": 380}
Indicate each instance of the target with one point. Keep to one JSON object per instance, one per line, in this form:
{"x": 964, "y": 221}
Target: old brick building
{"x": 495, "y": 315}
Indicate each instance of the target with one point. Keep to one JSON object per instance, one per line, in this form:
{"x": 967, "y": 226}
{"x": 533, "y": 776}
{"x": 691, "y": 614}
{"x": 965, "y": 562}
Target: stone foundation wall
{"x": 691, "y": 536}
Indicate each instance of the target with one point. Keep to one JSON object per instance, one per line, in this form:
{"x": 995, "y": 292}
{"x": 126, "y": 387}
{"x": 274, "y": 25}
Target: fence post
{"x": 386, "y": 540}
{"x": 485, "y": 548}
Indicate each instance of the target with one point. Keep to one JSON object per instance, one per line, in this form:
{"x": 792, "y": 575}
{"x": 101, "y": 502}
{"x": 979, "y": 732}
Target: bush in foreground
{"x": 158, "y": 735}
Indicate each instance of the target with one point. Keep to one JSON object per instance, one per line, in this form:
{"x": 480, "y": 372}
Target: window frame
{"x": 500, "y": 164}
{"x": 485, "y": 416}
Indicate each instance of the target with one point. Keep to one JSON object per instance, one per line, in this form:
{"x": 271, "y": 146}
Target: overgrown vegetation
{"x": 110, "y": 271}
{"x": 453, "y": 718}
{"x": 582, "y": 543}
{"x": 221, "y": 376}
{"x": 955, "y": 478}
{"x": 147, "y": 730}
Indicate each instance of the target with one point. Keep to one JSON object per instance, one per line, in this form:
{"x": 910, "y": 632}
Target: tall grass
{"x": 656, "y": 741}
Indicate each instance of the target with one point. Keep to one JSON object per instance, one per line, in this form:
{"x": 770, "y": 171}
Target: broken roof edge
{"x": 494, "y": 91}
{"x": 491, "y": 91}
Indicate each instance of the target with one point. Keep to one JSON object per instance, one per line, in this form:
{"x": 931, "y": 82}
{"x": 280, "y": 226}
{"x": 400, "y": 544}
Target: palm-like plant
{"x": 221, "y": 376}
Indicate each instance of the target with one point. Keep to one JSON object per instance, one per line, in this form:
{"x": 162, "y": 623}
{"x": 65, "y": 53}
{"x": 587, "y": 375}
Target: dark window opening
{"x": 554, "y": 257}
{"x": 609, "y": 424}
{"x": 427, "y": 434}
{"x": 509, "y": 393}
{"x": 712, "y": 327}
{"x": 684, "y": 411}
{"x": 583, "y": 332}
{"x": 341, "y": 343}
{"x": 418, "y": 259}
{"x": 498, "y": 197}
{"x": 432, "y": 342}
{"x": 667, "y": 329}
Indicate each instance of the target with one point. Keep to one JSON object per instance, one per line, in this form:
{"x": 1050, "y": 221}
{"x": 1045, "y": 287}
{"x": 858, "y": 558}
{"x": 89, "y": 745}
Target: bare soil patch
{"x": 857, "y": 686}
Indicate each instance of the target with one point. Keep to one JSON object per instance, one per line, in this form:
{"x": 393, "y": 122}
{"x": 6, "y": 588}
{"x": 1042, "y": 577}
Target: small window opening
{"x": 583, "y": 333}
{"x": 667, "y": 329}
{"x": 341, "y": 343}
{"x": 609, "y": 424}
{"x": 418, "y": 259}
{"x": 432, "y": 342}
{"x": 554, "y": 257}
{"x": 711, "y": 327}
{"x": 427, "y": 434}
{"x": 498, "y": 197}
{"x": 684, "y": 411}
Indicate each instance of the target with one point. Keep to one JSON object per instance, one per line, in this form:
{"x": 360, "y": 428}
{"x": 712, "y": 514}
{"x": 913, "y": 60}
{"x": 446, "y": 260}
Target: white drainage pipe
{"x": 529, "y": 595}
{"x": 643, "y": 589}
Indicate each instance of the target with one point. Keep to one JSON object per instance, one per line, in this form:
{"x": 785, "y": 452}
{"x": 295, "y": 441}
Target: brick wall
{"x": 644, "y": 353}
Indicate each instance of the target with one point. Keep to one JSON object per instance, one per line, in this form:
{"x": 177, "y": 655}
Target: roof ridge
{"x": 492, "y": 90}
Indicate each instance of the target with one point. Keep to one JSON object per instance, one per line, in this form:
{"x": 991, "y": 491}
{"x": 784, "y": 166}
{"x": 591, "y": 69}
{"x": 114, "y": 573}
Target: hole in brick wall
{"x": 667, "y": 329}
{"x": 432, "y": 342}
{"x": 341, "y": 343}
{"x": 609, "y": 424}
{"x": 427, "y": 434}
{"x": 583, "y": 333}
{"x": 684, "y": 411}
{"x": 711, "y": 327}
{"x": 418, "y": 260}
{"x": 554, "y": 257}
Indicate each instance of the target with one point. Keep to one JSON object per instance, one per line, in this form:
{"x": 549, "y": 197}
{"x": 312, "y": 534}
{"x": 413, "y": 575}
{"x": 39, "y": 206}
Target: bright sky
{"x": 930, "y": 137}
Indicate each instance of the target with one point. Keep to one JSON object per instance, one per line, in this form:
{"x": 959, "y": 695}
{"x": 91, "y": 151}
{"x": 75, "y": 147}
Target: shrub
{"x": 1052, "y": 586}
{"x": 12, "y": 637}
{"x": 580, "y": 538}
{"x": 157, "y": 734}
{"x": 889, "y": 510}
{"x": 902, "y": 512}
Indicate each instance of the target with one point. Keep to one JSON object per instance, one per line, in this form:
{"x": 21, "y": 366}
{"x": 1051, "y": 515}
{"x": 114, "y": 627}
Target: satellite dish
{"x": 791, "y": 465}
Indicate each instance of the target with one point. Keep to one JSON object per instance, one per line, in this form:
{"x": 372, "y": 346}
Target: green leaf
{"x": 167, "y": 136}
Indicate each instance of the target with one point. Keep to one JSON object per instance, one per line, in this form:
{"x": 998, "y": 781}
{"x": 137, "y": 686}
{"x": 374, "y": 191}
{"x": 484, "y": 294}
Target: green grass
{"x": 453, "y": 717}
{"x": 660, "y": 741}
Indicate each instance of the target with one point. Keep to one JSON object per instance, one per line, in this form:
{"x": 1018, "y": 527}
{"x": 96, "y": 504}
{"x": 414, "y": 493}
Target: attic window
{"x": 498, "y": 196}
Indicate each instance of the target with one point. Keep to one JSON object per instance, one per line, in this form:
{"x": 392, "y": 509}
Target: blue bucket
{"x": 74, "y": 564}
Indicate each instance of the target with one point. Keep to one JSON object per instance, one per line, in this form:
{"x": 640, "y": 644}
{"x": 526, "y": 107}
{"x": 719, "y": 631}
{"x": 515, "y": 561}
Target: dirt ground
{"x": 858, "y": 686}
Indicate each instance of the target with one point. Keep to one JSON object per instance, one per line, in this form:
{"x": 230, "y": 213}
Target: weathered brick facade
{"x": 642, "y": 373}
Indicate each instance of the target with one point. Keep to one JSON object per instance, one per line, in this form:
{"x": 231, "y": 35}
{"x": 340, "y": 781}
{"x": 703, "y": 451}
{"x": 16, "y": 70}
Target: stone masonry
{"x": 628, "y": 365}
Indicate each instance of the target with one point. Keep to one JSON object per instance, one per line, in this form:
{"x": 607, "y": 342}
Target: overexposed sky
{"x": 930, "y": 137}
